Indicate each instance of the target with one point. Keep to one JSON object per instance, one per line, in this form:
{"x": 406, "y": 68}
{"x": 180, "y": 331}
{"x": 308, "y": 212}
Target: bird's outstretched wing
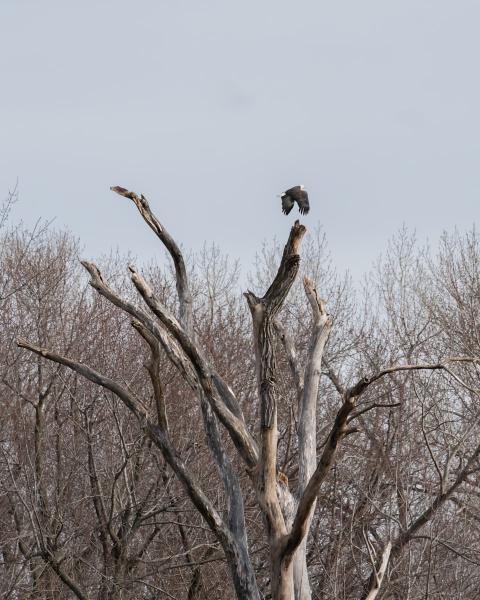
{"x": 287, "y": 203}
{"x": 300, "y": 196}
{"x": 294, "y": 191}
{"x": 302, "y": 201}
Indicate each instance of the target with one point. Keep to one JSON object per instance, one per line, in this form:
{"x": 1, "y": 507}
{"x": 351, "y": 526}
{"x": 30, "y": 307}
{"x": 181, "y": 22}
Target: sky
{"x": 211, "y": 108}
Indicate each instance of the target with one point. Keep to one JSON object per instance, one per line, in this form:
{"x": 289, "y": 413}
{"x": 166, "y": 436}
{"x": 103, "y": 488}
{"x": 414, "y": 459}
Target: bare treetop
{"x": 282, "y": 441}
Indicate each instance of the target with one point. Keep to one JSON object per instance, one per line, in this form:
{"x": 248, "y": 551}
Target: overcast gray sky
{"x": 210, "y": 108}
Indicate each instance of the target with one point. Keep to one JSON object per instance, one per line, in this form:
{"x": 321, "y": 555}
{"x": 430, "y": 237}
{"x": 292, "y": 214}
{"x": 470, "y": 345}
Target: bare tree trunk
{"x": 307, "y": 424}
{"x": 264, "y": 311}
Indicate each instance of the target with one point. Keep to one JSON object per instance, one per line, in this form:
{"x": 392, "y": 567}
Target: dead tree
{"x": 287, "y": 513}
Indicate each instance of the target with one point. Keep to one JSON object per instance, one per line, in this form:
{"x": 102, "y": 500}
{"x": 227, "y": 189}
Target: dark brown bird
{"x": 296, "y": 194}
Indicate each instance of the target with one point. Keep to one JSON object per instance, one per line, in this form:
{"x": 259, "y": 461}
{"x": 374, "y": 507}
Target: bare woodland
{"x": 163, "y": 435}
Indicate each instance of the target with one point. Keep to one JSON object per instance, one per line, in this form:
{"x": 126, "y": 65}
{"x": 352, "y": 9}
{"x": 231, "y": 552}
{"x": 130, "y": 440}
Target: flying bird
{"x": 296, "y": 194}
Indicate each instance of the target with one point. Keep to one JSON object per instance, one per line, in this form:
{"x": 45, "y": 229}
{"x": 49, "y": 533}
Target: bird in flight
{"x": 296, "y": 194}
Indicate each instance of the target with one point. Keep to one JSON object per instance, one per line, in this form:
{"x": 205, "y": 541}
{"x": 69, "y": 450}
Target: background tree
{"x": 338, "y": 461}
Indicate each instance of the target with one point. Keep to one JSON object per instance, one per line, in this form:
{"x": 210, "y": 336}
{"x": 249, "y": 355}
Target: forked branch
{"x": 155, "y": 433}
{"x": 338, "y": 431}
{"x": 235, "y": 427}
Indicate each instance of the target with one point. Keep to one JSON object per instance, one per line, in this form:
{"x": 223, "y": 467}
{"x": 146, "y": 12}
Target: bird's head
{"x": 302, "y": 187}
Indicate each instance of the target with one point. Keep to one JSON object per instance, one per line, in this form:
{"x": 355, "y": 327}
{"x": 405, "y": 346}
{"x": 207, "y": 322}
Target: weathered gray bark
{"x": 264, "y": 310}
{"x": 307, "y": 424}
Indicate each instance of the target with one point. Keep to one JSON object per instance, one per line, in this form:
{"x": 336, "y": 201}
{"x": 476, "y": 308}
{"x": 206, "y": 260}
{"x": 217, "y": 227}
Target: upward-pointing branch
{"x": 184, "y": 295}
{"x": 168, "y": 343}
{"x": 263, "y": 312}
{"x": 182, "y": 285}
{"x": 235, "y": 426}
{"x": 307, "y": 421}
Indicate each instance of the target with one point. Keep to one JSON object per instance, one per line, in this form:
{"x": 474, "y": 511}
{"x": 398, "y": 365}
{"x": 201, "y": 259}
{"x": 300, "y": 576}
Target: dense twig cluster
{"x": 303, "y": 485}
